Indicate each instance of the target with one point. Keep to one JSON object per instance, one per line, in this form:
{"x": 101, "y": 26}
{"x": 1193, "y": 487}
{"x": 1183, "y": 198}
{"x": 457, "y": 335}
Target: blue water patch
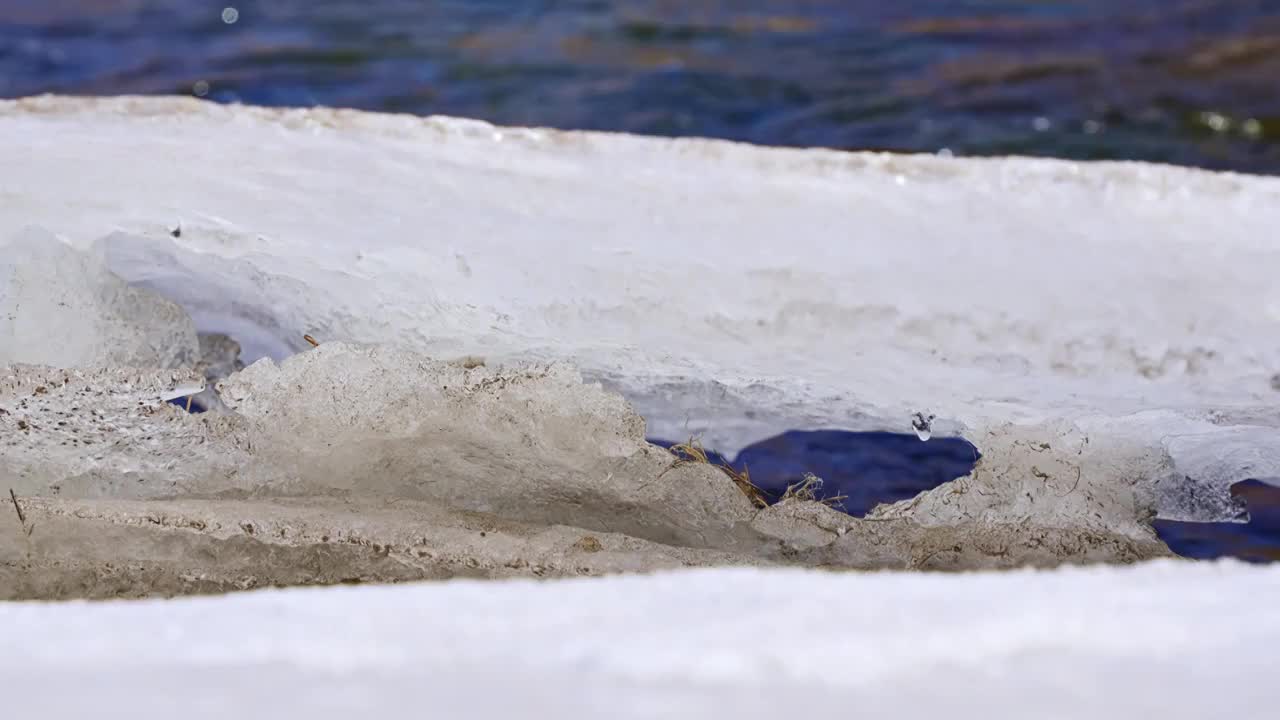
{"x": 194, "y": 407}
{"x": 1255, "y": 541}
{"x": 864, "y": 469}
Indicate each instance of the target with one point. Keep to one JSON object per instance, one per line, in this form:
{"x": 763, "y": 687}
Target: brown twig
{"x": 22, "y": 518}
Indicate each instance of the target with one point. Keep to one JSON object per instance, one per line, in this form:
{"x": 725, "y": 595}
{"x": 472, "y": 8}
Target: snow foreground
{"x": 1167, "y": 639}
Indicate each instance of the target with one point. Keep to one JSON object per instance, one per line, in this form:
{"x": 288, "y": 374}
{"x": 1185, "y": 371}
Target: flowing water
{"x": 1182, "y": 81}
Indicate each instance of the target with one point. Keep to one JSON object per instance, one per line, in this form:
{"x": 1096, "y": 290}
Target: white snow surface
{"x": 1169, "y": 639}
{"x": 729, "y": 292}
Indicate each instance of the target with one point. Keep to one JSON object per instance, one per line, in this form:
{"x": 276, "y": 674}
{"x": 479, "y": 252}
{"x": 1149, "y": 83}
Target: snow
{"x": 63, "y": 308}
{"x": 1166, "y": 639}
{"x": 727, "y": 291}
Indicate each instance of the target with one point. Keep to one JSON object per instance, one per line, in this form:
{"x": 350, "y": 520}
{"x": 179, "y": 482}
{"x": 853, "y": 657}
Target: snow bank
{"x": 526, "y": 443}
{"x": 727, "y": 291}
{"x": 1167, "y": 639}
{"x": 63, "y": 308}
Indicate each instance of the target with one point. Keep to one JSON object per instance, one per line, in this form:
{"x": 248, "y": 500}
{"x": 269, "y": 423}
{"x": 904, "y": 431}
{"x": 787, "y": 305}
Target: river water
{"x": 1193, "y": 82}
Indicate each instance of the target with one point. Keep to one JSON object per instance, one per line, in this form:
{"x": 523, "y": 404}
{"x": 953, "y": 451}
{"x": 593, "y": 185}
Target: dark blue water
{"x": 1184, "y": 81}
{"x": 859, "y": 469}
{"x": 1255, "y": 541}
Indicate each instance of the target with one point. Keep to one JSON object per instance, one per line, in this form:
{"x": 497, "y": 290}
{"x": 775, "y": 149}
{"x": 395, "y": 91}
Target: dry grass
{"x": 693, "y": 452}
{"x": 807, "y": 489}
